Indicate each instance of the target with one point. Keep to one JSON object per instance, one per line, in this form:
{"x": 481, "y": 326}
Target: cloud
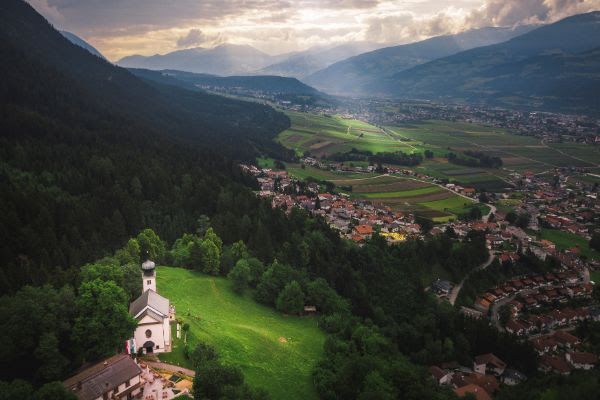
{"x": 520, "y": 12}
{"x": 119, "y": 28}
{"x": 194, "y": 37}
{"x": 409, "y": 26}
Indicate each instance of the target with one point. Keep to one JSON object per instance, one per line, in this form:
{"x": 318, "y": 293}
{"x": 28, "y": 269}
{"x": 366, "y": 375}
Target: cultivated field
{"x": 322, "y": 135}
{"x": 274, "y": 351}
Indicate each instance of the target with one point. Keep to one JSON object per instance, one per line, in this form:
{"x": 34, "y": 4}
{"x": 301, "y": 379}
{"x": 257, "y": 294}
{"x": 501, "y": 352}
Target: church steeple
{"x": 148, "y": 276}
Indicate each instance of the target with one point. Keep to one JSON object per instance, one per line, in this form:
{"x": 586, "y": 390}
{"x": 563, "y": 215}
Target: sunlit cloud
{"x": 120, "y": 28}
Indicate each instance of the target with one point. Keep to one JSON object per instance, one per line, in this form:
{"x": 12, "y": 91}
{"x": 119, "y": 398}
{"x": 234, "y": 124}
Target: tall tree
{"x": 103, "y": 323}
{"x": 291, "y": 299}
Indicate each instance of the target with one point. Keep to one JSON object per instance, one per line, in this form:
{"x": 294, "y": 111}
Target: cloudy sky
{"x": 123, "y": 27}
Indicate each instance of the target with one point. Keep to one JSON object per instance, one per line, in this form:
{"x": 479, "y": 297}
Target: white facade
{"x": 152, "y": 313}
{"x": 153, "y": 333}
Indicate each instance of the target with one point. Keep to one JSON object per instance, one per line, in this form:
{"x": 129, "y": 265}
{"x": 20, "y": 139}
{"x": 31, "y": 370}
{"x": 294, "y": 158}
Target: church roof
{"x": 152, "y": 299}
{"x": 92, "y": 382}
{"x": 148, "y": 265}
{"x": 152, "y": 314}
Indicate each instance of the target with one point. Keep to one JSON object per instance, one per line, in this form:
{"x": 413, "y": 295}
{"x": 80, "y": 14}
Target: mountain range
{"x": 225, "y": 59}
{"x": 354, "y": 75}
{"x": 303, "y": 63}
{"x": 230, "y": 59}
{"x": 554, "y": 67}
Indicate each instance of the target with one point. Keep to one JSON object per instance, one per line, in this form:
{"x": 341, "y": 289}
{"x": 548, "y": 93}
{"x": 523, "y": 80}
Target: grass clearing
{"x": 564, "y": 240}
{"x": 274, "y": 351}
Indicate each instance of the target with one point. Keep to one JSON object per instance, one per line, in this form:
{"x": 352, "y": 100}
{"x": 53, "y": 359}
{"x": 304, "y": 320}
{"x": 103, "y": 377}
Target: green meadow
{"x": 564, "y": 240}
{"x": 274, "y": 351}
{"x": 327, "y": 134}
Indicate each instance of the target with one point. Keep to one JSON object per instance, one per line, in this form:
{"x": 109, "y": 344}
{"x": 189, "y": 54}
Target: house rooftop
{"x": 477, "y": 391}
{"x": 92, "y": 382}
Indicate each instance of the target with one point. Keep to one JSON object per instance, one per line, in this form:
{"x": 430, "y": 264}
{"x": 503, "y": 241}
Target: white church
{"x": 153, "y": 314}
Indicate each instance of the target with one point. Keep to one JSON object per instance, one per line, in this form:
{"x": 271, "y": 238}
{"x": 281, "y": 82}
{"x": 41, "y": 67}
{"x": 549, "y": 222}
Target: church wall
{"x": 157, "y": 337}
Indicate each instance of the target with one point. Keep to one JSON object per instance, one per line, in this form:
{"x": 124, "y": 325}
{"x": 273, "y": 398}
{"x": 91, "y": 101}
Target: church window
{"x": 148, "y": 333}
{"x": 148, "y": 282}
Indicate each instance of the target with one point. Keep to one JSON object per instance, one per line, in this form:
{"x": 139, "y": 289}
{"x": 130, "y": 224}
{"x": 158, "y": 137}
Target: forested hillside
{"x": 90, "y": 154}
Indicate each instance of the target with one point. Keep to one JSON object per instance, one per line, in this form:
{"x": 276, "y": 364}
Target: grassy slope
{"x": 564, "y": 240}
{"x": 595, "y": 276}
{"x": 245, "y": 333}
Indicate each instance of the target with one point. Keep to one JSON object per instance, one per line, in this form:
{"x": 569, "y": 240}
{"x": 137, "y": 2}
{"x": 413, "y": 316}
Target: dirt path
{"x": 398, "y": 140}
{"x": 570, "y": 156}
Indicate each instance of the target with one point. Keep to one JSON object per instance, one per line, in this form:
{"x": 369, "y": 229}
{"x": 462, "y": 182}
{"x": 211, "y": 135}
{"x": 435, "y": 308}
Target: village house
{"x": 582, "y": 360}
{"x": 489, "y": 364}
{"x": 117, "y": 377}
{"x": 442, "y": 377}
{"x": 512, "y": 377}
{"x": 554, "y": 364}
{"x": 477, "y": 391}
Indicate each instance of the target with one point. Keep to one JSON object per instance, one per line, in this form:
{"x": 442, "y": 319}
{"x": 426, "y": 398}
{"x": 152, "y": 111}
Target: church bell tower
{"x": 148, "y": 276}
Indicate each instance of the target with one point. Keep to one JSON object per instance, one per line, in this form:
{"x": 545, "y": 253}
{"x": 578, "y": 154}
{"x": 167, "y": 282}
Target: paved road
{"x": 170, "y": 367}
{"x": 496, "y": 307}
{"x": 456, "y": 290}
{"x": 492, "y": 211}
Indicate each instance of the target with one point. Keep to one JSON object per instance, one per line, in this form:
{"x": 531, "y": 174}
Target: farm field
{"x": 564, "y": 240}
{"x": 327, "y": 134}
{"x": 274, "y": 351}
{"x": 323, "y": 175}
{"x": 399, "y": 193}
{"x": 322, "y": 135}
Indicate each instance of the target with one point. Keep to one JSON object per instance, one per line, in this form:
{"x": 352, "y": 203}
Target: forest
{"x": 395, "y": 158}
{"x": 99, "y": 169}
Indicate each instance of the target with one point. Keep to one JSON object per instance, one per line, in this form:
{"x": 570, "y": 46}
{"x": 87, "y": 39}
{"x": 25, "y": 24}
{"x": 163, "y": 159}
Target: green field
{"x": 322, "y": 135}
{"x": 327, "y": 134}
{"x": 274, "y": 351}
{"x": 400, "y": 194}
{"x": 595, "y": 276}
{"x": 564, "y": 240}
{"x": 323, "y": 175}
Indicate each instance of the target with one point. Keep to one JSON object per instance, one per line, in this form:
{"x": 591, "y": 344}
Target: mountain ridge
{"x": 76, "y": 40}
{"x": 480, "y": 74}
{"x": 225, "y": 59}
{"x": 350, "y": 76}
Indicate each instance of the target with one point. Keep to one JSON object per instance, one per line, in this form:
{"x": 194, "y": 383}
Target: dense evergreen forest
{"x": 91, "y": 156}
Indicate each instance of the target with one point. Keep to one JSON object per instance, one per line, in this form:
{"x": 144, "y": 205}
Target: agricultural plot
{"x": 518, "y": 152}
{"x": 274, "y": 351}
{"x": 321, "y": 135}
{"x": 405, "y": 194}
{"x": 323, "y": 175}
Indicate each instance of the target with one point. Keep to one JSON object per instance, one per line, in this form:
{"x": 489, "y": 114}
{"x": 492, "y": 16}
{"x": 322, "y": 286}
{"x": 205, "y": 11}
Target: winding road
{"x": 456, "y": 289}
